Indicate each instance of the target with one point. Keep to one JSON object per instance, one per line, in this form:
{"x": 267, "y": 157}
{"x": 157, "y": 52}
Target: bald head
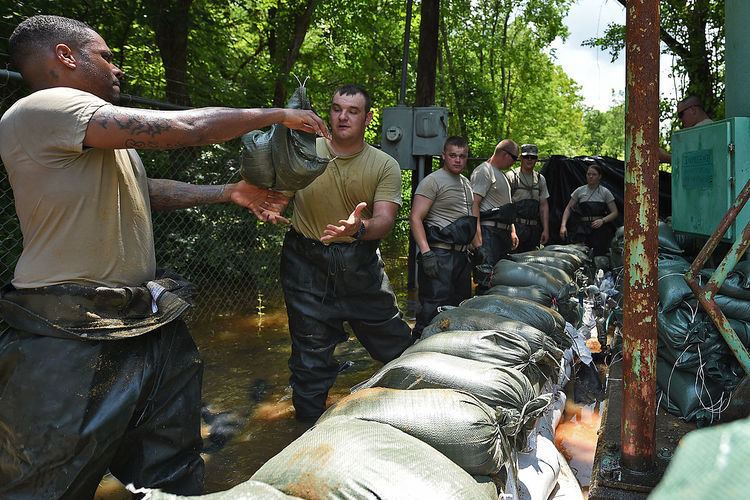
{"x": 505, "y": 155}
{"x": 34, "y": 40}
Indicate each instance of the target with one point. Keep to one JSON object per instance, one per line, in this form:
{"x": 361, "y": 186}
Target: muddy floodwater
{"x": 248, "y": 400}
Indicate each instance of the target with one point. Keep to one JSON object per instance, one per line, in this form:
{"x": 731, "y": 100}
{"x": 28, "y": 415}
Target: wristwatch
{"x": 360, "y": 232}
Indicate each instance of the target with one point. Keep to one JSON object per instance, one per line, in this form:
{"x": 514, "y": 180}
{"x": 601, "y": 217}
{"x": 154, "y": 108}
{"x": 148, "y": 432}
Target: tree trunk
{"x": 170, "y": 21}
{"x": 428, "y": 48}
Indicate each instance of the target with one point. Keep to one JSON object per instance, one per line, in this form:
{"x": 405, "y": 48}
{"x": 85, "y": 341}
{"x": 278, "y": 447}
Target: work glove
{"x": 430, "y": 264}
{"x": 476, "y": 257}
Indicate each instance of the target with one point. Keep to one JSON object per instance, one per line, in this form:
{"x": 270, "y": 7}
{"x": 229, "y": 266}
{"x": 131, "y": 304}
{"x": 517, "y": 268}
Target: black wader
{"x": 528, "y": 225}
{"x": 496, "y": 243}
{"x": 597, "y": 239}
{"x": 324, "y": 286}
{"x": 71, "y": 408}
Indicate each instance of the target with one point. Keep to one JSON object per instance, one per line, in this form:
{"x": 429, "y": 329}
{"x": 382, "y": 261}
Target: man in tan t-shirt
{"x": 443, "y": 225}
{"x": 529, "y": 191}
{"x": 331, "y": 270}
{"x": 493, "y": 202}
{"x": 99, "y": 369}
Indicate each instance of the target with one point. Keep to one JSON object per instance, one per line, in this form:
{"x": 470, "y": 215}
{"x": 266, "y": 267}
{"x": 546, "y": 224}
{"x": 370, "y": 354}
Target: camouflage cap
{"x": 529, "y": 150}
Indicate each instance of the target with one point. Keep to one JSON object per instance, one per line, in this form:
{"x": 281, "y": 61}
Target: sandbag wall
{"x": 696, "y": 371}
{"x": 447, "y": 418}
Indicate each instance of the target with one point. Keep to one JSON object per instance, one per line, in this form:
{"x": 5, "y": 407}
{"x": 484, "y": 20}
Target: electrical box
{"x": 396, "y": 139}
{"x": 430, "y": 130}
{"x": 710, "y": 166}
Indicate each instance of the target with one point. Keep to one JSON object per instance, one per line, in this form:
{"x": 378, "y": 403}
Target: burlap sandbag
{"x": 282, "y": 159}
{"x": 509, "y": 349}
{"x": 533, "y": 293}
{"x": 455, "y": 423}
{"x": 458, "y": 318}
{"x": 542, "y": 318}
{"x": 348, "y": 458}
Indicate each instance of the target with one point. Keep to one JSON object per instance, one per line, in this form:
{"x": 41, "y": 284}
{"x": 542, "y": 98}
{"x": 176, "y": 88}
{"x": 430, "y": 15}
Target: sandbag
{"x": 249, "y": 490}
{"x": 347, "y": 458}
{"x": 531, "y": 292}
{"x": 508, "y": 272}
{"x": 538, "y": 470}
{"x": 708, "y": 463}
{"x": 531, "y": 313}
{"x": 673, "y": 289}
{"x": 550, "y": 260}
{"x": 507, "y": 349}
{"x": 736, "y": 285}
{"x": 687, "y": 395}
{"x": 568, "y": 257}
{"x": 506, "y": 389}
{"x": 456, "y": 424}
{"x": 282, "y": 159}
{"x": 457, "y": 318}
{"x": 579, "y": 250}
{"x": 555, "y": 272}
{"x": 667, "y": 241}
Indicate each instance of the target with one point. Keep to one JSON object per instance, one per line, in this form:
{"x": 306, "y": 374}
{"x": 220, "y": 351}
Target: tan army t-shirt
{"x": 492, "y": 185}
{"x": 450, "y": 194}
{"x": 85, "y": 213}
{"x": 370, "y": 175}
{"x": 523, "y": 186}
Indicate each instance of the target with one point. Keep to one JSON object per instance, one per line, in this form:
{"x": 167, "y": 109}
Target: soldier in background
{"x": 444, "y": 222}
{"x": 529, "y": 191}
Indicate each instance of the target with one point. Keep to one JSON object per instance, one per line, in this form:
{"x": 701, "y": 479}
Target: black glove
{"x": 430, "y": 264}
{"x": 476, "y": 257}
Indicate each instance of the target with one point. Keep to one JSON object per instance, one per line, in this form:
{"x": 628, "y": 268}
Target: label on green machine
{"x": 698, "y": 169}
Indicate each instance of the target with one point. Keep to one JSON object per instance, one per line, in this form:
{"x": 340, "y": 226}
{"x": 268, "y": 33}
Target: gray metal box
{"x": 430, "y": 130}
{"x": 396, "y": 138}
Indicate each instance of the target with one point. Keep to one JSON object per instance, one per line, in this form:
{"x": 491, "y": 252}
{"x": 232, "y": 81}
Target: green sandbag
{"x": 542, "y": 318}
{"x": 568, "y": 257}
{"x": 580, "y": 251}
{"x": 455, "y": 423}
{"x": 736, "y": 285}
{"x": 684, "y": 394}
{"x": 282, "y": 159}
{"x": 549, "y": 260}
{"x": 507, "y": 349}
{"x": 553, "y": 271}
{"x": 709, "y": 463}
{"x": 510, "y": 273}
{"x": 347, "y": 458}
{"x": 531, "y": 292}
{"x": 505, "y": 389}
{"x": 249, "y": 490}
{"x": 667, "y": 241}
{"x": 673, "y": 289}
{"x": 457, "y": 318}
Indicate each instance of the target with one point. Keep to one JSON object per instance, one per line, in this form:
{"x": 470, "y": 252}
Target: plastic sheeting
{"x": 347, "y": 458}
{"x": 455, "y": 423}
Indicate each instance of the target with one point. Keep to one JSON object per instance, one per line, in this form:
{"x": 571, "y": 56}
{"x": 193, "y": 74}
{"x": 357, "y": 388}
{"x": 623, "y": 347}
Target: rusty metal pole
{"x": 641, "y": 235}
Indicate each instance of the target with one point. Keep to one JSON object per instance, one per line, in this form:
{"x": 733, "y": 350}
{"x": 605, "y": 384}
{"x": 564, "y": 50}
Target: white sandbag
{"x": 455, "y": 423}
{"x": 249, "y": 490}
{"x": 348, "y": 458}
{"x": 538, "y": 470}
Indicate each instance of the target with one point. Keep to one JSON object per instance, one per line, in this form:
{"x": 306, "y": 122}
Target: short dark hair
{"x": 354, "y": 89}
{"x": 457, "y": 141}
{"x": 37, "y": 33}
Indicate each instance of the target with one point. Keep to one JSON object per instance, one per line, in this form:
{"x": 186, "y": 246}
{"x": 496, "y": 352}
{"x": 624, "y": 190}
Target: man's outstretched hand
{"x": 266, "y": 204}
{"x": 348, "y": 227}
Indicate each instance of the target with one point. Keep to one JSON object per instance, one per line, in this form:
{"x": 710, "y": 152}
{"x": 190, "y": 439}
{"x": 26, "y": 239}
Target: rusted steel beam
{"x": 705, "y": 295}
{"x": 638, "y": 427}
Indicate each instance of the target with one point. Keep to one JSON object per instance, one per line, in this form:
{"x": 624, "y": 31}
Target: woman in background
{"x": 593, "y": 209}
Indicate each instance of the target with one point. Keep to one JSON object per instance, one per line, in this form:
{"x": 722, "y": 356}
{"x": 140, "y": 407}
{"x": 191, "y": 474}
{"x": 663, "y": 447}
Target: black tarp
{"x": 564, "y": 175}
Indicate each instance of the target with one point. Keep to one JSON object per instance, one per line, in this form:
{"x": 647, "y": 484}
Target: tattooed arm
{"x": 167, "y": 194}
{"x": 115, "y": 127}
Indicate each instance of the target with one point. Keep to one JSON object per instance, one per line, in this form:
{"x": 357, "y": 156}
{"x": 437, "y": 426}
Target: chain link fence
{"x": 231, "y": 257}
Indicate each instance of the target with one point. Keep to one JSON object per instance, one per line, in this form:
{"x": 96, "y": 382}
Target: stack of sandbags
{"x": 696, "y": 370}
